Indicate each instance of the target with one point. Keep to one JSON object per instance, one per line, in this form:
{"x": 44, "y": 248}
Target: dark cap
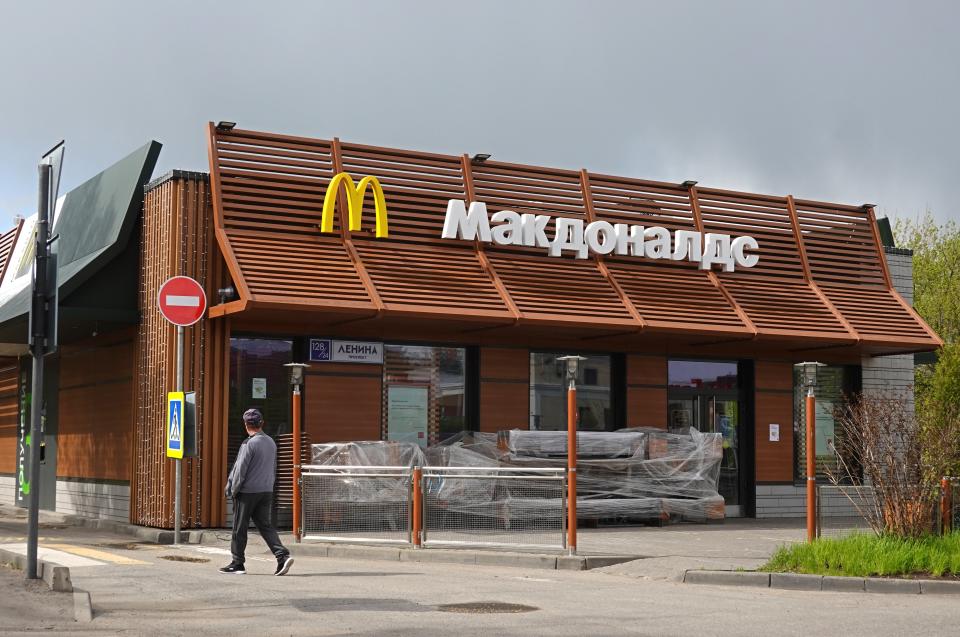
{"x": 252, "y": 417}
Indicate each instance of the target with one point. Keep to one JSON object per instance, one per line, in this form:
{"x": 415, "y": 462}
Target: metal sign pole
{"x": 178, "y": 468}
{"x": 38, "y": 337}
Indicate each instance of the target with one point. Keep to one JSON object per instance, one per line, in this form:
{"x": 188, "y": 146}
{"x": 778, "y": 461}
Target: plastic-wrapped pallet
{"x": 368, "y": 454}
{"x": 590, "y": 444}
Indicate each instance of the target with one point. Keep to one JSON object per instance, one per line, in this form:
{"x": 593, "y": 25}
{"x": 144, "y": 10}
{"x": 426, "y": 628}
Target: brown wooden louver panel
{"x": 776, "y": 294}
{"x": 668, "y": 295}
{"x": 842, "y": 248}
{"x": 7, "y": 242}
{"x": 820, "y": 281}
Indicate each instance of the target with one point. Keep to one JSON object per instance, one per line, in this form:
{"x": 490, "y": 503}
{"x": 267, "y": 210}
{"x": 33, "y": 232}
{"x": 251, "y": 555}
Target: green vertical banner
{"x": 23, "y": 446}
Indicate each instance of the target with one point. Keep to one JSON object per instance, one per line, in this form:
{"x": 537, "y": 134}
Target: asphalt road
{"x": 153, "y": 595}
{"x": 155, "y": 590}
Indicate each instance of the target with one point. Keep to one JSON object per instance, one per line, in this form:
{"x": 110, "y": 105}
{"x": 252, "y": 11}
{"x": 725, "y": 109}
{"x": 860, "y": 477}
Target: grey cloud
{"x": 845, "y": 101}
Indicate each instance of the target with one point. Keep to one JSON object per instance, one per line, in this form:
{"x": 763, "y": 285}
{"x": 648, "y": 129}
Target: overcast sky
{"x": 852, "y": 102}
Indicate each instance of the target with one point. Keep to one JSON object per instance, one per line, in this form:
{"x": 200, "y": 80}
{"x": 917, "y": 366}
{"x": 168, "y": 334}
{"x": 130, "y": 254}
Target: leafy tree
{"x": 936, "y": 271}
{"x": 936, "y": 276}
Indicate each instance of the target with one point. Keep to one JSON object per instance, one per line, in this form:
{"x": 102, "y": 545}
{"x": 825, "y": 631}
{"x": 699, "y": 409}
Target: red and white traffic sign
{"x": 182, "y": 301}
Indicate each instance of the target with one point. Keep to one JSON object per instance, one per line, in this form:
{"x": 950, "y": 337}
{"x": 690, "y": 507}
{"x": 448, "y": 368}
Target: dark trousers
{"x": 256, "y": 506}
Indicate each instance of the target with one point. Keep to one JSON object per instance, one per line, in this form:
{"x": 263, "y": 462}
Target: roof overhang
{"x": 94, "y": 227}
{"x": 821, "y": 283}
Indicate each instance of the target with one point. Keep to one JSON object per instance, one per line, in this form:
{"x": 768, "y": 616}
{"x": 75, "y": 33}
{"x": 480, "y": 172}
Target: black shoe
{"x": 283, "y": 565}
{"x": 233, "y": 569}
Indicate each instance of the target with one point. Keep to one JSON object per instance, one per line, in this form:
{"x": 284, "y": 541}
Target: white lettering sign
{"x": 571, "y": 237}
{"x": 330, "y": 351}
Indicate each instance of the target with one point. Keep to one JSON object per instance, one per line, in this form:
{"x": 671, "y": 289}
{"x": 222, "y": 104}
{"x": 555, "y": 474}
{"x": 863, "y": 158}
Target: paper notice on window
{"x": 774, "y": 432}
{"x": 259, "y": 388}
{"x": 407, "y": 414}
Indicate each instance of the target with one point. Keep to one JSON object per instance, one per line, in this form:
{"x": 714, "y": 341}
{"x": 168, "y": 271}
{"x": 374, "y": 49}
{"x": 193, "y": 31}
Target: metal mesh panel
{"x": 357, "y": 504}
{"x": 480, "y": 506}
{"x": 836, "y": 515}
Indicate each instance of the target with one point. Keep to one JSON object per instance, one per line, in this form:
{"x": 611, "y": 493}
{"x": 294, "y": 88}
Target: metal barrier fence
{"x": 836, "y": 515}
{"x": 358, "y": 504}
{"x": 494, "y": 507}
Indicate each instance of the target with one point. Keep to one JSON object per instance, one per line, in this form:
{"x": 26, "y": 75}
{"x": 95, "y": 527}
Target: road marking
{"x": 95, "y": 554}
{"x": 51, "y": 555}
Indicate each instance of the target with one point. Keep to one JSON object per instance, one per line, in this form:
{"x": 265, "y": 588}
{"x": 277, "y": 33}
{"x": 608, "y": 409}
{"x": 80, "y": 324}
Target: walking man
{"x": 250, "y": 484}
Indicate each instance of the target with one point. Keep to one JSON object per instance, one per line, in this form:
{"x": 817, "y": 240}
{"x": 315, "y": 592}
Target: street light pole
{"x": 296, "y": 379}
{"x": 809, "y": 370}
{"x": 38, "y": 320}
{"x": 573, "y": 363}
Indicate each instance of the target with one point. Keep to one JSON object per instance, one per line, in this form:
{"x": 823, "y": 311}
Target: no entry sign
{"x": 182, "y": 301}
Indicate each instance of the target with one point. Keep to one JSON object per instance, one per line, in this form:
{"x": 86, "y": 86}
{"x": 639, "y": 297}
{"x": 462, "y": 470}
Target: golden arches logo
{"x": 355, "y": 195}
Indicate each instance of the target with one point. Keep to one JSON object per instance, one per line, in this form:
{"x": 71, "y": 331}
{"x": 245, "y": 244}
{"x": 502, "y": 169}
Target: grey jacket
{"x": 255, "y": 467}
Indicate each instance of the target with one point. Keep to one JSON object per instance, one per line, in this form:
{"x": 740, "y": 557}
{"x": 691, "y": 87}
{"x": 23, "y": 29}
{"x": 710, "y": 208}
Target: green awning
{"x": 97, "y": 265}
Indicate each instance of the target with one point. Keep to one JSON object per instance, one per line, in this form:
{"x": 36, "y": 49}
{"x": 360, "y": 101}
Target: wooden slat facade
{"x": 773, "y": 404}
{"x": 178, "y": 239}
{"x": 7, "y": 242}
{"x": 96, "y": 407}
{"x": 821, "y": 279}
{"x": 9, "y": 413}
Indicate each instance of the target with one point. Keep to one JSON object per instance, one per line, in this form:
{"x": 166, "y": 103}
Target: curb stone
{"x": 827, "y": 583}
{"x": 939, "y": 587}
{"x": 57, "y": 578}
{"x": 728, "y": 578}
{"x": 796, "y": 581}
{"x": 82, "y": 608}
{"x": 903, "y": 586}
{"x": 482, "y": 558}
{"x": 838, "y": 584}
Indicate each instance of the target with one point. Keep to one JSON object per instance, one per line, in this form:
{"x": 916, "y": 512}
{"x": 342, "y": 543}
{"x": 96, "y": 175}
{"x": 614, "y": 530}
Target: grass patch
{"x": 866, "y": 555}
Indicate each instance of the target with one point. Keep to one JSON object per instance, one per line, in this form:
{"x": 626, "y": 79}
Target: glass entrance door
{"x": 703, "y": 394}
{"x": 714, "y": 413}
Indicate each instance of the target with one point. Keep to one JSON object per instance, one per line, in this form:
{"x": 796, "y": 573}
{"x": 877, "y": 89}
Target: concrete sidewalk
{"x": 659, "y": 553}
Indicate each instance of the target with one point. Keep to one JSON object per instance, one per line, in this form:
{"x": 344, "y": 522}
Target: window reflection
{"x": 258, "y": 379}
{"x": 832, "y": 384}
{"x": 702, "y": 374}
{"x": 548, "y": 393}
{"x": 423, "y": 393}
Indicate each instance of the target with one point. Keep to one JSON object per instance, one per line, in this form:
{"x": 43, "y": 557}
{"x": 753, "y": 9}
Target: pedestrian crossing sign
{"x": 175, "y": 424}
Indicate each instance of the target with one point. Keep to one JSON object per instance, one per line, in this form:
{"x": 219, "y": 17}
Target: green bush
{"x": 865, "y": 555}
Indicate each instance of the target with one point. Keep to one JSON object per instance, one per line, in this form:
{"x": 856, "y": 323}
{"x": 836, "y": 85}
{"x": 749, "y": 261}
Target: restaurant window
{"x": 258, "y": 379}
{"x": 423, "y": 393}
{"x": 702, "y": 375}
{"x": 548, "y": 393}
{"x": 834, "y": 382}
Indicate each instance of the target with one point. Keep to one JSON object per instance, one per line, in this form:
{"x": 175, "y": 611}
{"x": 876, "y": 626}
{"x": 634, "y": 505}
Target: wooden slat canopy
{"x": 821, "y": 281}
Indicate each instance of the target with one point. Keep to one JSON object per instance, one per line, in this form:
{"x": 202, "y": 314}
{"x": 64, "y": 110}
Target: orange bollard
{"x": 811, "y": 467}
{"x": 417, "y": 487}
{"x": 572, "y": 469}
{"x": 297, "y": 531}
{"x": 945, "y": 508}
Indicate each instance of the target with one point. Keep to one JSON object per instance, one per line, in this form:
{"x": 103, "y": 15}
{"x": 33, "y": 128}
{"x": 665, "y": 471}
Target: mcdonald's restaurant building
{"x": 432, "y": 294}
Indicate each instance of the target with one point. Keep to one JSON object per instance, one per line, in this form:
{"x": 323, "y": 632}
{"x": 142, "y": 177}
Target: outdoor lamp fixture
{"x": 809, "y": 371}
{"x": 226, "y": 294}
{"x": 296, "y": 379}
{"x": 225, "y": 126}
{"x": 573, "y": 363}
{"x": 479, "y": 158}
{"x": 689, "y": 183}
